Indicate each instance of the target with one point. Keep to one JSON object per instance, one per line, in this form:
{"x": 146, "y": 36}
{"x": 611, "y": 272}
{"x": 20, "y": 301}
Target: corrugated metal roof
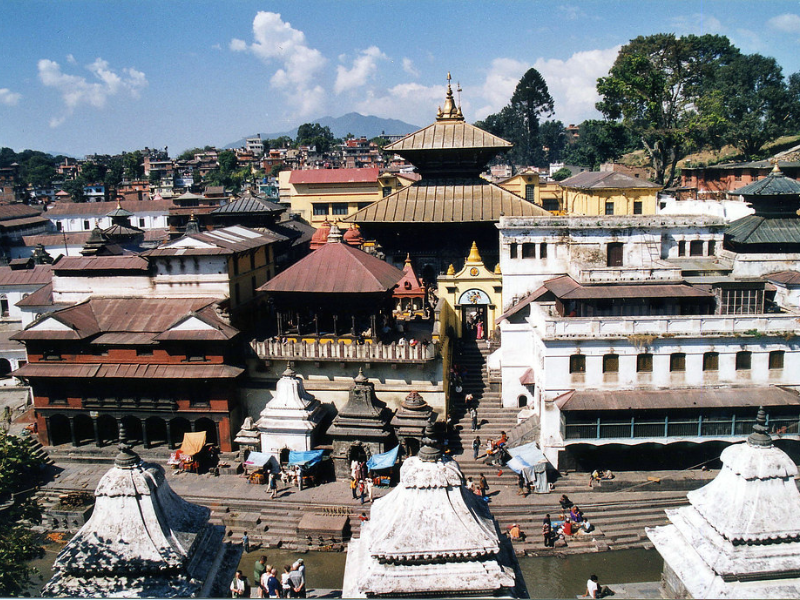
{"x": 336, "y": 268}
{"x": 130, "y": 262}
{"x": 603, "y": 180}
{"x": 447, "y": 201}
{"x": 41, "y": 297}
{"x": 128, "y": 371}
{"x": 18, "y": 211}
{"x": 774, "y": 184}
{"x": 448, "y": 135}
{"x": 593, "y": 400}
{"x": 98, "y": 209}
{"x": 38, "y": 275}
{"x": 73, "y": 238}
{"x": 23, "y": 222}
{"x": 124, "y": 339}
{"x": 226, "y": 240}
{"x": 753, "y": 229}
{"x": 784, "y": 277}
{"x": 309, "y": 176}
{"x": 249, "y": 205}
{"x": 567, "y": 288}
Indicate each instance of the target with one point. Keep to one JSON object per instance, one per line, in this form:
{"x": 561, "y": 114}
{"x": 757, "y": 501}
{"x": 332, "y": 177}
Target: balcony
{"x": 340, "y": 351}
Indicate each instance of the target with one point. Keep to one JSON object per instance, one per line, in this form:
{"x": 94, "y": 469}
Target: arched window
{"x": 4, "y": 305}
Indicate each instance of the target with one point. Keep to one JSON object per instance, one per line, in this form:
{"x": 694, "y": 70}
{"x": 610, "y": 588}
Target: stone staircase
{"x": 37, "y": 450}
{"x": 492, "y": 417}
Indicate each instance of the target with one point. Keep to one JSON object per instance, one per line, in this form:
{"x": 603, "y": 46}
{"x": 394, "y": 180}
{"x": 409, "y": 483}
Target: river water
{"x": 546, "y": 577}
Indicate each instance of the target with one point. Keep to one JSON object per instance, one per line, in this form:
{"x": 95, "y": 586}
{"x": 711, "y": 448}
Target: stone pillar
{"x": 169, "y": 435}
{"x": 72, "y": 434}
{"x": 47, "y": 430}
{"x": 96, "y": 432}
{"x": 145, "y": 441}
{"x": 219, "y": 439}
{"x": 193, "y": 425}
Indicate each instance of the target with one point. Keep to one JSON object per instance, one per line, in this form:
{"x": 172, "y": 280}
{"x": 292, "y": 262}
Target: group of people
{"x": 598, "y": 476}
{"x": 361, "y": 481}
{"x": 480, "y": 487}
{"x": 457, "y": 375}
{"x": 290, "y": 584}
{"x": 571, "y": 522}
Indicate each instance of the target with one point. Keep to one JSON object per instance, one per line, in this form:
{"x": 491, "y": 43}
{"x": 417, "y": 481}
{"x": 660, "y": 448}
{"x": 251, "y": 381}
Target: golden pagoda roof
{"x": 447, "y": 201}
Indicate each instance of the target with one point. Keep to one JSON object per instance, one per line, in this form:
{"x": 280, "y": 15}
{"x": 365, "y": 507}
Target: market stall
{"x": 187, "y": 458}
{"x": 308, "y": 467}
{"x": 532, "y": 463}
{"x": 258, "y": 466}
{"x": 382, "y": 465}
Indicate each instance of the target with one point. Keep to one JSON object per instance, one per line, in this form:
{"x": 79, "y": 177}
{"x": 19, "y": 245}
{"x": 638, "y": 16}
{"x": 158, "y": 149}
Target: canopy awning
{"x": 257, "y": 459}
{"x": 305, "y": 458}
{"x": 532, "y": 463}
{"x": 193, "y": 442}
{"x": 386, "y": 460}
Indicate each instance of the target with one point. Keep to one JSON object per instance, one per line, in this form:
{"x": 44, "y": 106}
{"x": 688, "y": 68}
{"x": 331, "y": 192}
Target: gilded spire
{"x": 451, "y": 112}
{"x": 474, "y": 255}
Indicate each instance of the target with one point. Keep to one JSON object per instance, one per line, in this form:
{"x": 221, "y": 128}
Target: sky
{"x": 106, "y": 76}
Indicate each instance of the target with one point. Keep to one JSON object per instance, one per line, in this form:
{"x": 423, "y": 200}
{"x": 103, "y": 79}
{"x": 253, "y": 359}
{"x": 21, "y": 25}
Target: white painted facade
{"x": 687, "y": 351}
{"x": 86, "y": 221}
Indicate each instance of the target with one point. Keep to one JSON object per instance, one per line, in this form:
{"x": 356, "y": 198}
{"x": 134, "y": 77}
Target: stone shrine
{"x": 410, "y": 420}
{"x": 431, "y": 537}
{"x": 143, "y": 541}
{"x": 290, "y": 420}
{"x": 361, "y": 429}
{"x": 740, "y": 535}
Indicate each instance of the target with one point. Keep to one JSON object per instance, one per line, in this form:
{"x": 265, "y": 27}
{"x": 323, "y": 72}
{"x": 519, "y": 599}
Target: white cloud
{"x": 365, "y": 65}
{"x": 787, "y": 22}
{"x": 76, "y": 90}
{"x": 408, "y": 67}
{"x": 71, "y": 59}
{"x": 9, "y": 98}
{"x": 501, "y": 80}
{"x": 277, "y": 41}
{"x": 573, "y": 82}
{"x": 697, "y": 24}
{"x": 410, "y": 102}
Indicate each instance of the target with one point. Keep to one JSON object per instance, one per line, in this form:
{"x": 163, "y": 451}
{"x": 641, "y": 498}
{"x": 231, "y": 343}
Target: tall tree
{"x": 530, "y": 101}
{"x": 653, "y": 88}
{"x": 314, "y": 134}
{"x": 133, "y": 163}
{"x": 598, "y": 142}
{"x": 553, "y": 136}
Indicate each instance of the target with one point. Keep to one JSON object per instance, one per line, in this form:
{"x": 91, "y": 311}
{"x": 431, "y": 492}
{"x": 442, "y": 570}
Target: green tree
{"x": 553, "y": 136}
{"x": 114, "y": 172}
{"x": 18, "y": 544}
{"x": 133, "y": 163}
{"x": 531, "y": 100}
{"x": 227, "y": 161}
{"x": 189, "y": 154}
{"x": 75, "y": 189}
{"x": 314, "y": 134}
{"x": 275, "y": 170}
{"x": 653, "y": 88}
{"x": 562, "y": 174}
{"x": 756, "y": 102}
{"x": 92, "y": 172}
{"x": 599, "y": 142}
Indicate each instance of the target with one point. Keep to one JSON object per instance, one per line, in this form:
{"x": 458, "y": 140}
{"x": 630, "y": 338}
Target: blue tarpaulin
{"x": 383, "y": 461}
{"x": 305, "y": 458}
{"x": 257, "y": 459}
{"x": 532, "y": 463}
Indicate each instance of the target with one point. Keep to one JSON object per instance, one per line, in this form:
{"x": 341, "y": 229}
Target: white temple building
{"x": 740, "y": 535}
{"x": 143, "y": 541}
{"x": 291, "y": 419}
{"x": 431, "y": 537}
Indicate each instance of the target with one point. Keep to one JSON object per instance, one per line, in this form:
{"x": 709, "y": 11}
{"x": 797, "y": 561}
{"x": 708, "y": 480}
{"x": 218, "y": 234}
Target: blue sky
{"x": 105, "y": 76}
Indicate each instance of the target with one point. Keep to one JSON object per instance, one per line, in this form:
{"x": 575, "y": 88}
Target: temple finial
{"x": 126, "y": 458}
{"x": 760, "y": 437}
{"x": 430, "y": 451}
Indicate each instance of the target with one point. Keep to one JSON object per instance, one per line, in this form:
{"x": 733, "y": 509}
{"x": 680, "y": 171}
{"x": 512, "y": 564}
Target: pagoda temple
{"x": 431, "y": 537}
{"x": 361, "y": 429}
{"x": 410, "y": 420}
{"x": 436, "y": 218}
{"x": 740, "y": 535}
{"x": 143, "y": 541}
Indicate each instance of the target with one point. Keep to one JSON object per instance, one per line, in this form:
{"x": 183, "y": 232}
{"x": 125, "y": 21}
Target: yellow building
{"x": 317, "y": 195}
{"x": 608, "y": 193}
{"x": 528, "y": 185}
{"x": 471, "y": 297}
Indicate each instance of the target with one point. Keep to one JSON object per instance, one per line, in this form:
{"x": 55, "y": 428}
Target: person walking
{"x": 369, "y": 488}
{"x": 473, "y": 413}
{"x": 245, "y": 543}
{"x": 273, "y": 486}
{"x": 483, "y": 484}
{"x": 353, "y": 486}
{"x": 547, "y": 532}
{"x": 476, "y": 447}
{"x": 362, "y": 490}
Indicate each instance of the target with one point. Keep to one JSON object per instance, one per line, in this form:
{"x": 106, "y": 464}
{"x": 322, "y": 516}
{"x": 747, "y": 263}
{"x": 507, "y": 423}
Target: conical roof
{"x": 409, "y": 285}
{"x": 774, "y": 184}
{"x": 292, "y": 408}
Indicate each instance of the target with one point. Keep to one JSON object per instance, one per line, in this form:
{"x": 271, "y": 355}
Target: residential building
{"x": 717, "y": 182}
{"x": 255, "y": 146}
{"x": 72, "y": 217}
{"x": 608, "y": 193}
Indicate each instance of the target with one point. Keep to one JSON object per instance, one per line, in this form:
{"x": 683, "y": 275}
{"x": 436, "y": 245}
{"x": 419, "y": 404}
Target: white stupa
{"x": 740, "y": 535}
{"x": 290, "y": 420}
{"x": 142, "y": 541}
{"x": 432, "y": 537}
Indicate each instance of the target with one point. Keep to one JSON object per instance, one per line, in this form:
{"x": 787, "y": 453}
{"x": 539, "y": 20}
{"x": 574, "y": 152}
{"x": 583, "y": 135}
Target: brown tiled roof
{"x": 128, "y": 371}
{"x": 103, "y": 208}
{"x": 124, "y": 339}
{"x": 784, "y": 277}
{"x": 604, "y": 180}
{"x": 593, "y": 400}
{"x": 567, "y": 288}
{"x": 38, "y": 275}
{"x": 447, "y": 201}
{"x": 368, "y": 175}
{"x": 336, "y": 268}
{"x": 23, "y": 222}
{"x": 71, "y": 238}
{"x": 41, "y": 297}
{"x": 18, "y": 211}
{"x": 448, "y": 135}
{"x": 128, "y": 262}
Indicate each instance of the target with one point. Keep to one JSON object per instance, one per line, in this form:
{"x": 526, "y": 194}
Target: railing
{"x": 665, "y": 326}
{"x": 274, "y": 349}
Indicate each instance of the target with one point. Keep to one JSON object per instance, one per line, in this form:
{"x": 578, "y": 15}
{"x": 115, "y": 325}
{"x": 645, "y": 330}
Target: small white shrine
{"x": 143, "y": 541}
{"x": 291, "y": 419}
{"x": 431, "y": 537}
{"x": 740, "y": 535}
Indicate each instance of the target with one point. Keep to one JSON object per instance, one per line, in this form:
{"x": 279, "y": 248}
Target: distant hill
{"x": 353, "y": 122}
